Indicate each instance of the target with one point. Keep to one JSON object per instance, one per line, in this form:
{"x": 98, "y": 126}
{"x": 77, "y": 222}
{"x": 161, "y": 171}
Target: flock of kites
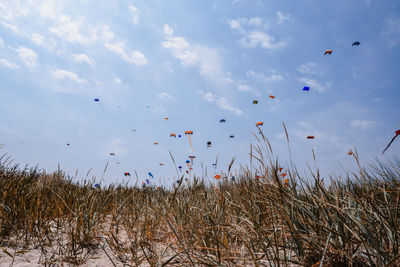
{"x": 189, "y": 162}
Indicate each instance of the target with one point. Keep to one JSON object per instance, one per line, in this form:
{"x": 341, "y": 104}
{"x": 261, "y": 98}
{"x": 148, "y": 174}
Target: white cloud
{"x": 261, "y": 77}
{"x": 209, "y": 97}
{"x": 207, "y": 60}
{"x": 117, "y": 81}
{"x": 255, "y": 21}
{"x": 362, "y": 124}
{"x": 63, "y": 74}
{"x": 243, "y": 88}
{"x": 223, "y": 103}
{"x": 28, "y": 56}
{"x": 282, "y": 17}
{"x": 73, "y": 31}
{"x": 164, "y": 95}
{"x": 180, "y": 47}
{"x": 12, "y": 27}
{"x": 134, "y": 57}
{"x": 257, "y": 38}
{"x": 134, "y": 14}
{"x": 241, "y": 23}
{"x": 307, "y": 68}
{"x": 82, "y": 58}
{"x": 37, "y": 38}
{"x": 1, "y": 42}
{"x": 107, "y": 34}
{"x": 315, "y": 85}
{"x": 8, "y": 64}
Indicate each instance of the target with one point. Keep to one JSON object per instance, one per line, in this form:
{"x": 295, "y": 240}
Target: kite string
{"x": 190, "y": 141}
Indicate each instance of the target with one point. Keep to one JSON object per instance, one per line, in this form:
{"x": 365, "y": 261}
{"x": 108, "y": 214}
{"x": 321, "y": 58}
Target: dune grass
{"x": 259, "y": 219}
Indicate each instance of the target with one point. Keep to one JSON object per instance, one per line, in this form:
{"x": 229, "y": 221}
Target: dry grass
{"x": 351, "y": 221}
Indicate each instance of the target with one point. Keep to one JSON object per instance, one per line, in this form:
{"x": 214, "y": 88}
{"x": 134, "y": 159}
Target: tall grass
{"x": 258, "y": 219}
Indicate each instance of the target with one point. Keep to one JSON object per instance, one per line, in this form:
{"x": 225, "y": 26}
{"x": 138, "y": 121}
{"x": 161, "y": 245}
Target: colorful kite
{"x": 328, "y": 51}
{"x": 127, "y": 174}
{"x": 166, "y": 118}
{"x": 172, "y": 135}
{"x": 209, "y": 144}
{"x": 397, "y": 134}
{"x": 217, "y": 176}
{"x": 180, "y": 168}
{"x": 187, "y": 162}
{"x": 356, "y": 44}
{"x": 260, "y": 123}
{"x": 189, "y": 133}
{"x": 306, "y": 88}
{"x": 271, "y": 96}
{"x": 255, "y": 101}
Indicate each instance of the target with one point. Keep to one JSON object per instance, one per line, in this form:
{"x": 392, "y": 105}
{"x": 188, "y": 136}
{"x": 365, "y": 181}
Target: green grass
{"x": 309, "y": 221}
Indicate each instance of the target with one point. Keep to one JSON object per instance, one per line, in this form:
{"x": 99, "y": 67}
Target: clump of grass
{"x": 259, "y": 219}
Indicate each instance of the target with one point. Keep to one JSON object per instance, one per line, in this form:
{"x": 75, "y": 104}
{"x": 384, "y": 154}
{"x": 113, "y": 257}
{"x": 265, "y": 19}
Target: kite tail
{"x": 190, "y": 141}
{"x": 101, "y": 107}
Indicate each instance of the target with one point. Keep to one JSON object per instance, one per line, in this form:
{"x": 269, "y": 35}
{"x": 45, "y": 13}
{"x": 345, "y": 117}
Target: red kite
{"x": 349, "y": 153}
{"x": 217, "y": 176}
{"x": 172, "y": 135}
{"x": 260, "y": 123}
{"x": 166, "y": 118}
{"x": 271, "y": 96}
{"x": 397, "y": 134}
{"x": 310, "y": 137}
{"x": 127, "y": 174}
{"x": 156, "y": 143}
{"x": 328, "y": 51}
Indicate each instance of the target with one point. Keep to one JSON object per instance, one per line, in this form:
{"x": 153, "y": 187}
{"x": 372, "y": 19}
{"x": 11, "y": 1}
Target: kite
{"x": 156, "y": 143}
{"x": 187, "y": 162}
{"x": 217, "y": 176}
{"x": 286, "y": 181}
{"x": 166, "y": 118}
{"x": 259, "y": 123}
{"x": 67, "y": 144}
{"x": 397, "y": 134}
{"x": 233, "y": 178}
{"x": 150, "y": 174}
{"x": 127, "y": 174}
{"x": 280, "y": 169}
{"x": 134, "y": 130}
{"x": 180, "y": 168}
{"x": 112, "y": 154}
{"x": 98, "y": 100}
{"x": 349, "y": 153}
{"x": 161, "y": 164}
{"x": 222, "y": 120}
{"x": 306, "y": 88}
{"x": 148, "y": 181}
{"x": 283, "y": 174}
{"x": 209, "y": 144}
{"x": 96, "y": 185}
{"x": 328, "y": 51}
{"x": 232, "y": 136}
{"x": 255, "y": 101}
{"x": 356, "y": 44}
{"x": 172, "y": 135}
{"x": 189, "y": 133}
{"x": 310, "y": 137}
{"x": 191, "y": 158}
{"x": 179, "y": 136}
{"x": 271, "y": 96}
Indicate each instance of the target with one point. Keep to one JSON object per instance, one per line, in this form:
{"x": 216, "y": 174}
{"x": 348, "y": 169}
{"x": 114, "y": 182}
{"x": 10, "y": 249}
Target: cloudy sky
{"x": 196, "y": 62}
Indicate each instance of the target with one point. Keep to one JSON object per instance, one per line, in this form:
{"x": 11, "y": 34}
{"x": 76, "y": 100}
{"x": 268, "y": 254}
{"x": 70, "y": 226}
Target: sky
{"x": 195, "y": 63}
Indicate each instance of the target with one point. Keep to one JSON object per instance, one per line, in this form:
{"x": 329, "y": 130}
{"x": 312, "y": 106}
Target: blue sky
{"x": 196, "y": 62}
